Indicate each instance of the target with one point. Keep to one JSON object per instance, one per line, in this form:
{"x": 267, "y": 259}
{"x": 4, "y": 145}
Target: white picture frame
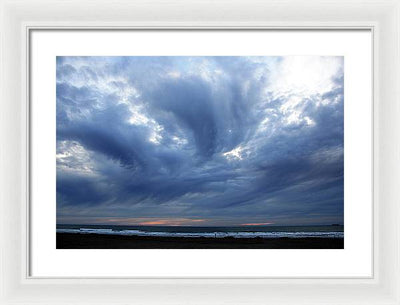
{"x": 18, "y": 18}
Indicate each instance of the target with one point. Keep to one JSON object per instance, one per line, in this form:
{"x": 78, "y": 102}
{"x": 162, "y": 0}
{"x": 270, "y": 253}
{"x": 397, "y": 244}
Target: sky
{"x": 200, "y": 141}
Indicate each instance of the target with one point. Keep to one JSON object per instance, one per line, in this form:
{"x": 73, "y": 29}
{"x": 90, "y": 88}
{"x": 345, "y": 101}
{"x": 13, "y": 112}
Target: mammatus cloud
{"x": 200, "y": 140}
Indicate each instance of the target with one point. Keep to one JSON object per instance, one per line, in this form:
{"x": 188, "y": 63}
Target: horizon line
{"x": 241, "y": 225}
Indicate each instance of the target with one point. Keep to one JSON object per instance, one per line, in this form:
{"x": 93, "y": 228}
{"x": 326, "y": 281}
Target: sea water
{"x": 330, "y": 231}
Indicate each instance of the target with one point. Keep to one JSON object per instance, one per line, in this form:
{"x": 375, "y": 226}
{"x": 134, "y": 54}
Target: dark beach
{"x": 99, "y": 241}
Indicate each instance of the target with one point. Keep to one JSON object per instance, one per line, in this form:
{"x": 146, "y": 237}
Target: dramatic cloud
{"x": 200, "y": 140}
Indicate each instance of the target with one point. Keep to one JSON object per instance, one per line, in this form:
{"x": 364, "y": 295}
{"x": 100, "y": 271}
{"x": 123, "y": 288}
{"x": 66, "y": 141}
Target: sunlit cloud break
{"x": 202, "y": 141}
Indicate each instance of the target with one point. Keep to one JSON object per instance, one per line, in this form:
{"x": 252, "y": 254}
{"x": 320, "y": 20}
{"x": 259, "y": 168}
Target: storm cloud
{"x": 200, "y": 140}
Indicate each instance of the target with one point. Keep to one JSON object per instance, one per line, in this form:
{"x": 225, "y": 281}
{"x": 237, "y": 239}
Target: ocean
{"x": 330, "y": 231}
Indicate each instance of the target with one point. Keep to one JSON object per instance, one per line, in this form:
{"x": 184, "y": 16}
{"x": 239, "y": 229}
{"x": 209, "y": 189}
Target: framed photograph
{"x": 172, "y": 152}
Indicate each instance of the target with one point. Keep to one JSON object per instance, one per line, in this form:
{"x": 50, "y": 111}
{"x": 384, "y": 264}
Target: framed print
{"x": 200, "y": 151}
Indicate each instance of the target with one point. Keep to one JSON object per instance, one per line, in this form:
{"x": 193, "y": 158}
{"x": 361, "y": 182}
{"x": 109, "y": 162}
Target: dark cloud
{"x": 213, "y": 138}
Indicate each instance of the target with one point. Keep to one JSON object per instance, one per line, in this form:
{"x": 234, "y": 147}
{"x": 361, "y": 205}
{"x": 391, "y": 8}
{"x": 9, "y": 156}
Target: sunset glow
{"x": 257, "y": 224}
{"x": 149, "y": 221}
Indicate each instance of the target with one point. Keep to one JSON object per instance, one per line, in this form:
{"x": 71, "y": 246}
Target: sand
{"x": 98, "y": 241}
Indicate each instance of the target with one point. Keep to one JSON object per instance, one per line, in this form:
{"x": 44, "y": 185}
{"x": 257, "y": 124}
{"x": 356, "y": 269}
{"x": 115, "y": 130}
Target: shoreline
{"x": 104, "y": 241}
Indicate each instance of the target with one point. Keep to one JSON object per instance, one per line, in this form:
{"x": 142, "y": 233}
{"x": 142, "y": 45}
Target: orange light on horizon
{"x": 152, "y": 223}
{"x": 257, "y": 224}
{"x": 155, "y": 222}
{"x": 169, "y": 222}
